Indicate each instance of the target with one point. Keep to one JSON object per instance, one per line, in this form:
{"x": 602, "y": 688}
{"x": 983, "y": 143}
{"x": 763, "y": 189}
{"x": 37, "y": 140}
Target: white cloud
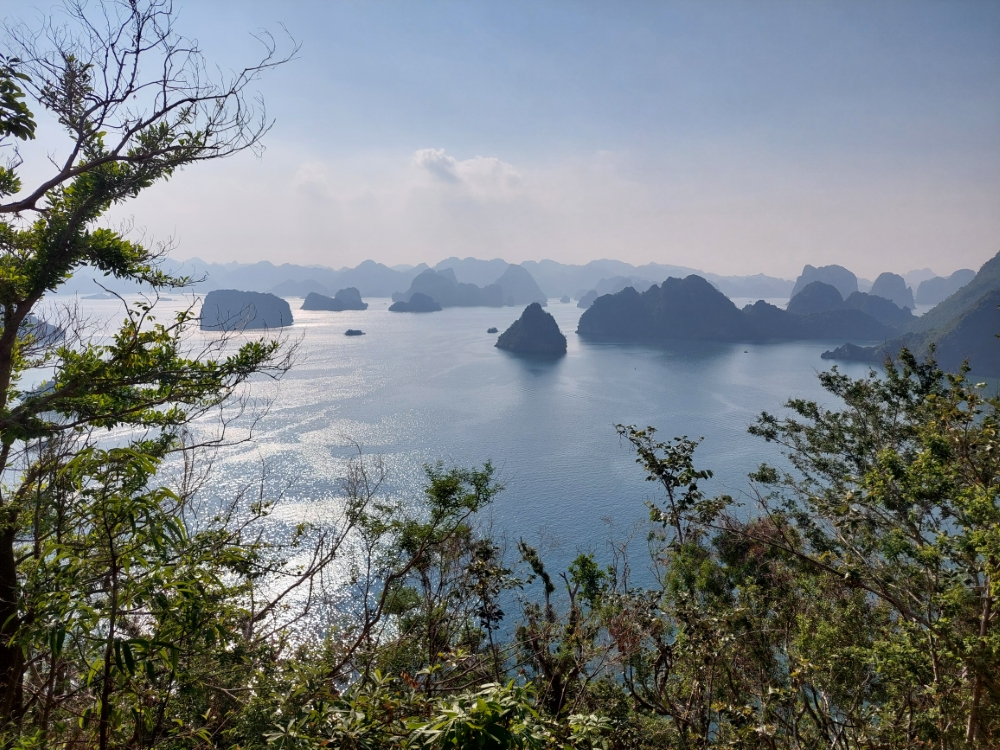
{"x": 311, "y": 179}
{"x": 484, "y": 176}
{"x": 690, "y": 207}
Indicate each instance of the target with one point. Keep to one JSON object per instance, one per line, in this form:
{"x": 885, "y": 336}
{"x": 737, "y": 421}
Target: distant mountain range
{"x": 373, "y": 279}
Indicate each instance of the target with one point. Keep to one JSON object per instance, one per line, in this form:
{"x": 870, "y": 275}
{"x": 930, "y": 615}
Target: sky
{"x": 734, "y": 137}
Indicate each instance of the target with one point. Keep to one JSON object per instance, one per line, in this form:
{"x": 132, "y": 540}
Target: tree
{"x": 85, "y": 540}
{"x": 855, "y": 606}
{"x": 896, "y": 495}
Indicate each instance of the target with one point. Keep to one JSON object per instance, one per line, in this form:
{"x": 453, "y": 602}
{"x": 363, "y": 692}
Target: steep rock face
{"x": 688, "y": 308}
{"x": 973, "y": 338}
{"x": 844, "y": 324}
{"x": 815, "y": 297}
{"x": 443, "y": 288}
{"x": 519, "y": 288}
{"x": 535, "y": 332}
{"x": 770, "y": 322}
{"x": 587, "y": 299}
{"x": 233, "y": 310}
{"x": 883, "y": 310}
{"x": 345, "y": 299}
{"x": 418, "y": 303}
{"x": 964, "y": 326}
{"x": 350, "y": 298}
{"x": 836, "y": 276}
{"x": 935, "y": 290}
{"x": 620, "y": 317}
{"x": 818, "y": 298}
{"x": 892, "y": 286}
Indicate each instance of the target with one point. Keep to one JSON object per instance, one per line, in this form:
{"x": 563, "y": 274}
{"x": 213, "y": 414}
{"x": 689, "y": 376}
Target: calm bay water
{"x": 422, "y": 388}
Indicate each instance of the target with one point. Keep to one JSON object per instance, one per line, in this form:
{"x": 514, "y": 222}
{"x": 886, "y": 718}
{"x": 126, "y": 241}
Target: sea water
{"x": 421, "y": 388}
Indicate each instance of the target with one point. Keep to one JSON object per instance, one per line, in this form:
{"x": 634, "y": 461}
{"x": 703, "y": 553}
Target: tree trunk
{"x": 972, "y": 728}
{"x": 11, "y": 657}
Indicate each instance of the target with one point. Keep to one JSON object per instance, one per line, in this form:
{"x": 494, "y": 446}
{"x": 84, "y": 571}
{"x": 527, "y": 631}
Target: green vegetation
{"x": 851, "y": 605}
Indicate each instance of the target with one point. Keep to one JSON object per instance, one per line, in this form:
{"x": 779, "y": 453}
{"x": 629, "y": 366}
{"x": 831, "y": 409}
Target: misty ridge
{"x": 865, "y": 320}
{"x": 604, "y": 276}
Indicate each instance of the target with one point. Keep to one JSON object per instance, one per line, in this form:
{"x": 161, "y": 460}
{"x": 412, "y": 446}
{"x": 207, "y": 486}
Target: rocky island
{"x": 693, "y": 309}
{"x": 514, "y": 287}
{"x": 345, "y": 299}
{"x": 587, "y": 299}
{"x": 233, "y": 310}
{"x": 962, "y": 328}
{"x": 418, "y": 303}
{"x": 535, "y": 332}
{"x": 938, "y": 289}
{"x": 448, "y": 291}
{"x": 519, "y": 288}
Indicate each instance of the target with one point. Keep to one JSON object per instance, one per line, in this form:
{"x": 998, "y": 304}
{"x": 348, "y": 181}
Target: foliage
{"x": 853, "y": 606}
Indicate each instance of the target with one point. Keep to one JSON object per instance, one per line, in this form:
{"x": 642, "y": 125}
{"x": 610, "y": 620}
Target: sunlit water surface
{"x": 421, "y": 388}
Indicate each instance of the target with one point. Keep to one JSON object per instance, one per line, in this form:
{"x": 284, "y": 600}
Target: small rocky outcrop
{"x": 345, "y": 299}
{"x": 353, "y": 332}
{"x": 565, "y": 299}
{"x": 418, "y": 303}
{"x": 535, "y": 332}
{"x": 891, "y": 286}
{"x": 491, "y": 330}
{"x": 234, "y": 310}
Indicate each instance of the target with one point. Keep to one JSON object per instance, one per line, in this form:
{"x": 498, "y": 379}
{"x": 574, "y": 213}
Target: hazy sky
{"x": 736, "y": 137}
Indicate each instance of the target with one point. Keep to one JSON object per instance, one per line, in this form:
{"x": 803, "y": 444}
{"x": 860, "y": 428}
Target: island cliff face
{"x": 688, "y": 308}
{"x": 418, "y": 303}
{"x": 233, "y": 310}
{"x": 836, "y": 276}
{"x": 519, "y": 287}
{"x": 447, "y": 291}
{"x": 938, "y": 289}
{"x": 815, "y": 297}
{"x": 587, "y": 299}
{"x": 892, "y": 286}
{"x": 345, "y": 299}
{"x": 514, "y": 287}
{"x": 535, "y": 332}
{"x": 818, "y": 297}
